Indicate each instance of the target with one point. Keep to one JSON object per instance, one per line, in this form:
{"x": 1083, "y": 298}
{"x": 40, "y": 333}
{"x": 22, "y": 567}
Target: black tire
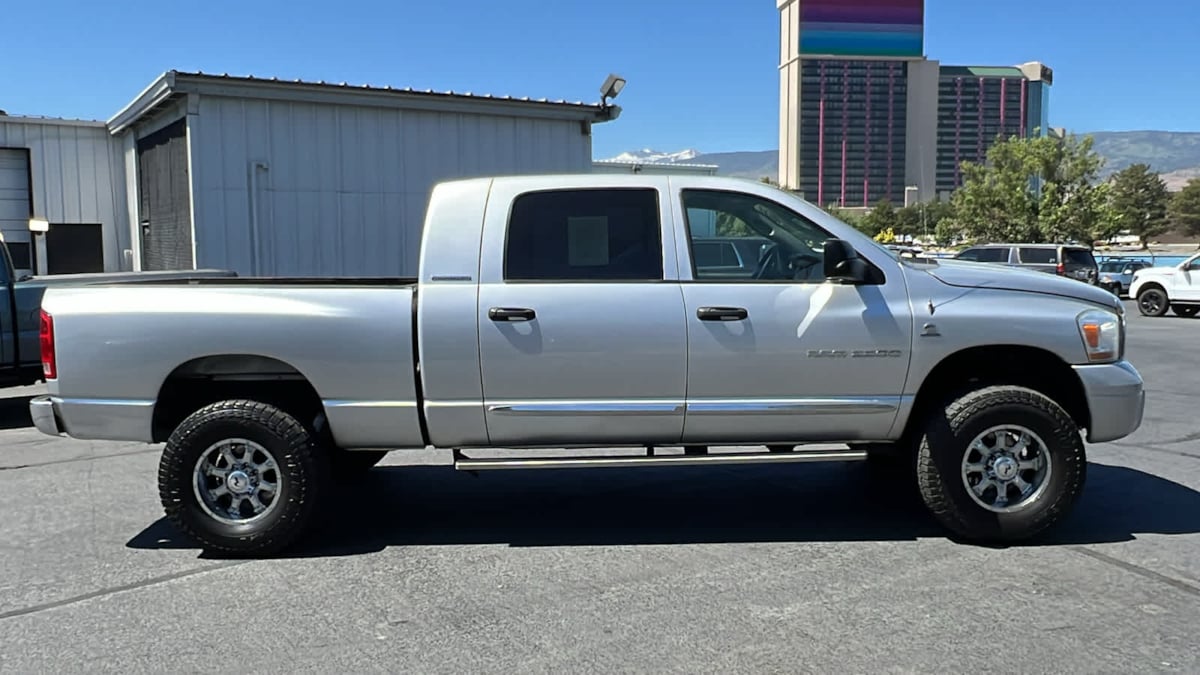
{"x": 1152, "y": 301}
{"x": 1185, "y": 311}
{"x": 302, "y": 471}
{"x": 944, "y": 446}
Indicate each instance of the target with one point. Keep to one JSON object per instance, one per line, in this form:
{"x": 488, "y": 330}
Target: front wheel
{"x": 1002, "y": 463}
{"x": 241, "y": 477}
{"x": 1153, "y": 302}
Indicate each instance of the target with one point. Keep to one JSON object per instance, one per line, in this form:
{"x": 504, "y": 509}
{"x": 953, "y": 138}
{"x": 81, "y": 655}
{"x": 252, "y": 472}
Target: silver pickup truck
{"x": 566, "y": 313}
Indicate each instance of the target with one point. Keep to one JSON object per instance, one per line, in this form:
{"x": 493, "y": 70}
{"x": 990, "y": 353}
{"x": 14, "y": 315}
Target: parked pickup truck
{"x": 20, "y": 356}
{"x": 1164, "y": 288}
{"x": 565, "y": 312}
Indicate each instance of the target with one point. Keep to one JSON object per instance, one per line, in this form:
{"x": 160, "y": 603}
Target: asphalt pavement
{"x": 801, "y": 568}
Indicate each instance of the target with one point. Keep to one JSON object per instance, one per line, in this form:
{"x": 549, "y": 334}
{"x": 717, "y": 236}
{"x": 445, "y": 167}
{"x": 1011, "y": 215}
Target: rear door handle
{"x": 511, "y": 314}
{"x": 721, "y": 313}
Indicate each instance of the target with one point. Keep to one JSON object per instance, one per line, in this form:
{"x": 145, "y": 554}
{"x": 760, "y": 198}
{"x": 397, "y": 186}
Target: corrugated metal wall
{"x": 341, "y": 190}
{"x": 77, "y": 177}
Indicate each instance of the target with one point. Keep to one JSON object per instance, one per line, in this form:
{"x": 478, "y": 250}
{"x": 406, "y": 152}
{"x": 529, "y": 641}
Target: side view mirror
{"x": 842, "y": 264}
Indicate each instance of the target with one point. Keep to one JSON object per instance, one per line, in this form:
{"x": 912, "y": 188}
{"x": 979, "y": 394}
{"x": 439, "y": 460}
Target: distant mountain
{"x": 1175, "y": 154}
{"x": 1164, "y": 151}
{"x": 754, "y": 164}
{"x": 647, "y": 155}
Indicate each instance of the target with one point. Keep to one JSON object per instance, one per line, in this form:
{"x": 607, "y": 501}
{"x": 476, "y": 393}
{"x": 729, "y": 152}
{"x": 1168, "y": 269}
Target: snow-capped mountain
{"x": 752, "y": 164}
{"x": 646, "y": 155}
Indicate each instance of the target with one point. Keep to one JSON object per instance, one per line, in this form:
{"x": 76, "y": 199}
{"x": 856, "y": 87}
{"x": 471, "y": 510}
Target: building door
{"x": 73, "y": 248}
{"x": 165, "y": 199}
{"x": 15, "y": 207}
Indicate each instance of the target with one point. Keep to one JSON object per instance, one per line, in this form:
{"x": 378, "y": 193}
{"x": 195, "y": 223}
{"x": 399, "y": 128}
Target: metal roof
{"x": 174, "y": 83}
{"x": 42, "y": 119}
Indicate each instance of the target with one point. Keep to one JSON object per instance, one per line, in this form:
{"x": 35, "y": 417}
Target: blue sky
{"x": 701, "y": 74}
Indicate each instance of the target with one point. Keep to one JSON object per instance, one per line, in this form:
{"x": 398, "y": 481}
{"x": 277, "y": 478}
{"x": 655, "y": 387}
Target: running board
{"x": 463, "y": 463}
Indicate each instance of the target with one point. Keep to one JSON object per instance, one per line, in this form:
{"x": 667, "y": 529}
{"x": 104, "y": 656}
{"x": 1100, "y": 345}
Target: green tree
{"x": 908, "y": 220}
{"x": 1042, "y": 188}
{"x": 1139, "y": 201}
{"x": 1185, "y": 208}
{"x": 851, "y": 218}
{"x": 881, "y": 217}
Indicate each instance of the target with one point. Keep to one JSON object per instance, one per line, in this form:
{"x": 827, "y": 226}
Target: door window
{"x": 1078, "y": 256}
{"x": 988, "y": 255}
{"x": 1038, "y": 256}
{"x": 789, "y": 247}
{"x": 585, "y": 235}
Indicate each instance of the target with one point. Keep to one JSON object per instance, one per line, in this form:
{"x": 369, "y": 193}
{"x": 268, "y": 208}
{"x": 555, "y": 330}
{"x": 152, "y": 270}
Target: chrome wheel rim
{"x": 1006, "y": 468}
{"x": 237, "y": 481}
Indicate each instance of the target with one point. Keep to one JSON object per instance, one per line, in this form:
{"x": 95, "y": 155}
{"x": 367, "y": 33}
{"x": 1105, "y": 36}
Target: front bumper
{"x": 1116, "y": 399}
{"x": 45, "y": 416}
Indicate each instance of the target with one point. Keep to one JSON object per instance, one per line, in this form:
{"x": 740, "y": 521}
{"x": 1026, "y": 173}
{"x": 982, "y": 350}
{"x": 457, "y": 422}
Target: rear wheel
{"x": 1152, "y": 301}
{"x": 241, "y": 477}
{"x": 1186, "y": 311}
{"x": 1002, "y": 463}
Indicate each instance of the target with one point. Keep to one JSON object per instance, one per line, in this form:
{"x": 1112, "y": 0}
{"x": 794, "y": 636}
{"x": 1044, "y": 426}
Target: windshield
{"x": 1112, "y": 266}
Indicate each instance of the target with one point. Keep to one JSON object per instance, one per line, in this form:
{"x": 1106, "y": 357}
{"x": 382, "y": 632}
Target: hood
{"x": 965, "y": 274}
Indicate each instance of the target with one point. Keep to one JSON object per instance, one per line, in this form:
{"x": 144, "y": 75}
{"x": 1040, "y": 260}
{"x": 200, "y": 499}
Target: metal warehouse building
{"x": 70, "y": 174}
{"x": 271, "y": 177}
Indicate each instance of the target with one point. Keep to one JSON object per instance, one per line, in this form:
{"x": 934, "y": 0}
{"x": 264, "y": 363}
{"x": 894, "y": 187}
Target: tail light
{"x": 1061, "y": 269}
{"x": 49, "y": 363}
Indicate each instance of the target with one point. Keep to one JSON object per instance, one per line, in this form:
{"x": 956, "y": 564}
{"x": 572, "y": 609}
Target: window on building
{"x": 585, "y": 235}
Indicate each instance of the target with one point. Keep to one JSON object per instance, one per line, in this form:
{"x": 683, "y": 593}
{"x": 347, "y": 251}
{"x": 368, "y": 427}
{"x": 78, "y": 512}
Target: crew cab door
{"x": 582, "y": 337}
{"x": 781, "y": 354}
{"x": 1187, "y": 280}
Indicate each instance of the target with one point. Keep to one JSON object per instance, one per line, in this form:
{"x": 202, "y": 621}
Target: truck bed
{"x": 352, "y": 340}
{"x": 272, "y": 281}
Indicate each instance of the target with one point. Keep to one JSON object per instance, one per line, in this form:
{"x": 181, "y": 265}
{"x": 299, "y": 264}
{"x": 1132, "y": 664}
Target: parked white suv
{"x": 1175, "y": 288}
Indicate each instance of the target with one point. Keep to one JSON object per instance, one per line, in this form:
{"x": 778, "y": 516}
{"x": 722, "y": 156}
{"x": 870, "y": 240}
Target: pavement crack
{"x": 72, "y": 460}
{"x": 34, "y": 609}
{"x": 1138, "y": 570}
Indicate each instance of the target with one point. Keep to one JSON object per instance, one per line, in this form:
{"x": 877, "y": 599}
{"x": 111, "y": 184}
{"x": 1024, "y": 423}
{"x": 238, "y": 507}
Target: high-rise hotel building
{"x": 863, "y": 113}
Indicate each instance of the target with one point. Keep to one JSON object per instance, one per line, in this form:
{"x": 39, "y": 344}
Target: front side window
{"x": 782, "y": 245}
{"x": 585, "y": 235}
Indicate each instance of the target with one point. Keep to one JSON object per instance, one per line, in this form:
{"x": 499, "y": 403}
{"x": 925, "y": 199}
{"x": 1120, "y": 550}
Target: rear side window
{"x": 585, "y": 235}
{"x": 1078, "y": 256}
{"x": 993, "y": 255}
{"x": 1039, "y": 256}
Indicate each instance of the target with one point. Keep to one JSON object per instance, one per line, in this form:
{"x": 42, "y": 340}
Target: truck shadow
{"x": 14, "y": 412}
{"x": 437, "y": 506}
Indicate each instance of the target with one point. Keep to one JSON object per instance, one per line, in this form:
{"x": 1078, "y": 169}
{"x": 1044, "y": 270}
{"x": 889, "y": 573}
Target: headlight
{"x": 1101, "y": 332}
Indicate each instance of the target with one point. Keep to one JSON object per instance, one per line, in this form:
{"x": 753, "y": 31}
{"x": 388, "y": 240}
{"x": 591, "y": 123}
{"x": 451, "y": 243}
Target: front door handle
{"x": 511, "y": 314}
{"x": 721, "y": 313}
